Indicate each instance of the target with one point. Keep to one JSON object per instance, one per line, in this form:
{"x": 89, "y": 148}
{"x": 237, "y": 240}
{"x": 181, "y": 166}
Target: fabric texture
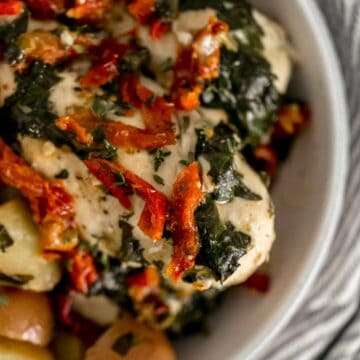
{"x": 328, "y": 324}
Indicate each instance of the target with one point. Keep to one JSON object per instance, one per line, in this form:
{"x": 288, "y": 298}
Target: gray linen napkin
{"x": 327, "y": 326}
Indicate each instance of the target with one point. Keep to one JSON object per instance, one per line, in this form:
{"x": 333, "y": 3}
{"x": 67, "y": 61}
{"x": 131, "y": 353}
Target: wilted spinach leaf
{"x": 246, "y": 90}
{"x": 193, "y": 315}
{"x": 166, "y": 9}
{"x": 9, "y": 32}
{"x": 219, "y": 150}
{"x": 27, "y": 111}
{"x": 221, "y": 245}
{"x": 134, "y": 61}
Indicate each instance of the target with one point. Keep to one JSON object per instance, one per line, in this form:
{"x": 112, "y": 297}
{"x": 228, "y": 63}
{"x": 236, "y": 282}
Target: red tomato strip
{"x": 51, "y": 204}
{"x": 83, "y": 272}
{"x": 192, "y": 68}
{"x": 186, "y": 197}
{"x": 259, "y": 282}
{"x": 153, "y": 217}
{"x": 108, "y": 54}
{"x": 89, "y": 11}
{"x": 11, "y": 7}
{"x": 144, "y": 283}
{"x": 108, "y": 177}
{"x": 156, "y": 113}
{"x": 46, "y": 9}
{"x": 142, "y": 10}
{"x": 81, "y": 124}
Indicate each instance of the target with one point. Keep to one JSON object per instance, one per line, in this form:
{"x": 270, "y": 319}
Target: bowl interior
{"x": 307, "y": 196}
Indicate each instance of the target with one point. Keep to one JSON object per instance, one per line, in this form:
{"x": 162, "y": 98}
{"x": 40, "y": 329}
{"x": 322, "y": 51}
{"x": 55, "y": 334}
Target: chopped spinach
{"x": 131, "y": 250}
{"x": 219, "y": 150}
{"x": 5, "y": 239}
{"x": 159, "y": 157}
{"x": 120, "y": 179}
{"x": 134, "y": 61}
{"x": 16, "y": 280}
{"x": 9, "y": 32}
{"x": 124, "y": 343}
{"x": 63, "y": 174}
{"x": 28, "y": 111}
{"x": 245, "y": 89}
{"x": 193, "y": 315}
{"x": 166, "y": 10}
{"x": 236, "y": 13}
{"x": 221, "y": 245}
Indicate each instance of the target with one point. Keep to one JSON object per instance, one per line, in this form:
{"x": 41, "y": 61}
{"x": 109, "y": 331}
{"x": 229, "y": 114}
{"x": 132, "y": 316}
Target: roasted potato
{"x": 26, "y": 316}
{"x": 21, "y": 260}
{"x": 128, "y": 339}
{"x": 18, "y": 350}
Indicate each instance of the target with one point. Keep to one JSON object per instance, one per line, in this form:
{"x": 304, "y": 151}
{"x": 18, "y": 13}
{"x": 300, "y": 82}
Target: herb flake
{"x": 5, "y": 239}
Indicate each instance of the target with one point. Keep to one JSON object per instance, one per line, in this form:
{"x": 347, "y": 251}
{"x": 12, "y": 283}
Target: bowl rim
{"x": 331, "y": 217}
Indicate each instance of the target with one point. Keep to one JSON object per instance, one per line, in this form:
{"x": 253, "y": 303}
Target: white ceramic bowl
{"x": 308, "y": 197}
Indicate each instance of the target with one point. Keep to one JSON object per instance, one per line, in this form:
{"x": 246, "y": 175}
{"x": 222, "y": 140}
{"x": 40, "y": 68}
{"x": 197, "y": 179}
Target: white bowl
{"x": 308, "y": 197}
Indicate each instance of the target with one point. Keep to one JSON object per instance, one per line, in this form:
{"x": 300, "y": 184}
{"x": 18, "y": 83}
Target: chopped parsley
{"x": 159, "y": 179}
{"x": 63, "y": 174}
{"x": 166, "y": 65}
{"x": 99, "y": 107}
{"x": 159, "y": 157}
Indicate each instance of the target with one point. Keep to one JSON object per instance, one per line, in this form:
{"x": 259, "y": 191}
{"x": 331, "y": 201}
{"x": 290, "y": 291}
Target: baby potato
{"x": 26, "y": 316}
{"x": 18, "y": 350}
{"x": 22, "y": 263}
{"x": 128, "y": 339}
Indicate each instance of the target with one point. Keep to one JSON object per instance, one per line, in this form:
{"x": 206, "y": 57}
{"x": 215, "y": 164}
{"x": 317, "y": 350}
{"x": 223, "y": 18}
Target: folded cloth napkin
{"x": 327, "y": 325}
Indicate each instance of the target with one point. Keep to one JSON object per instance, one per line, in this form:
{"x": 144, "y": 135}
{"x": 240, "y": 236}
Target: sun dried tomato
{"x": 158, "y": 29}
{"x": 259, "y": 282}
{"x": 266, "y": 159}
{"x": 47, "y": 9}
{"x": 193, "y": 67}
{"x": 81, "y": 124}
{"x": 292, "y": 119}
{"x": 89, "y": 11}
{"x": 143, "y": 283}
{"x": 153, "y": 217}
{"x": 156, "y": 114}
{"x": 11, "y": 7}
{"x": 107, "y": 57}
{"x": 142, "y": 10}
{"x": 186, "y": 197}
{"x": 109, "y": 179}
{"x": 83, "y": 271}
{"x": 52, "y": 206}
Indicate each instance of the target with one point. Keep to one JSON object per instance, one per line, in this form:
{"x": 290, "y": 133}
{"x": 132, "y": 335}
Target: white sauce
{"x": 276, "y": 50}
{"x": 65, "y": 98}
